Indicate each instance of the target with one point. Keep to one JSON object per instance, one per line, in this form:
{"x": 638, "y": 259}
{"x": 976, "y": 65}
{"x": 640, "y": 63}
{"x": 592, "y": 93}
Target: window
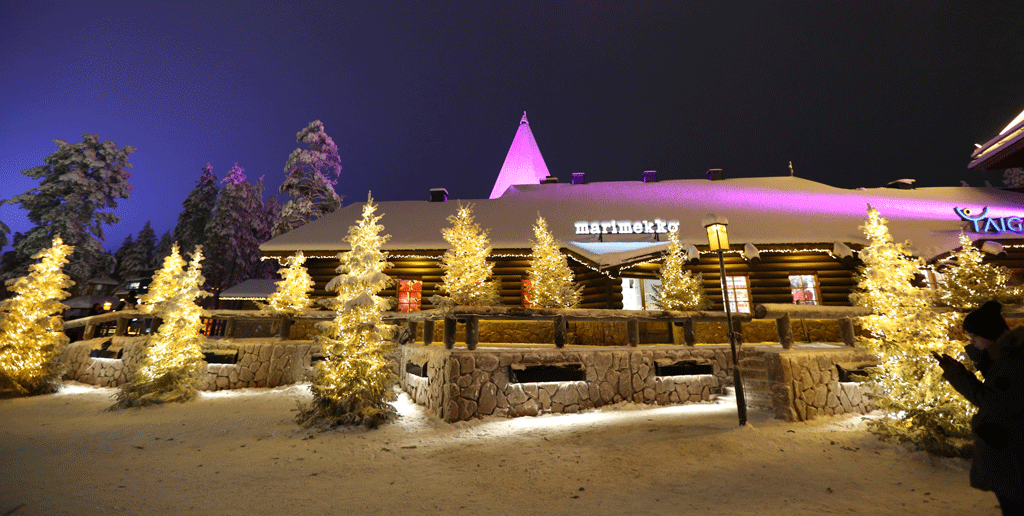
{"x": 932, "y": 278}
{"x": 638, "y": 293}
{"x": 410, "y": 293}
{"x": 805, "y": 289}
{"x": 739, "y": 293}
{"x": 528, "y": 294}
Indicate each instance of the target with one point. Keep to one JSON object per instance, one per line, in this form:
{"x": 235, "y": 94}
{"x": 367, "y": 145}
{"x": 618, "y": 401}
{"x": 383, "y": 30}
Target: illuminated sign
{"x": 983, "y": 224}
{"x": 626, "y": 227}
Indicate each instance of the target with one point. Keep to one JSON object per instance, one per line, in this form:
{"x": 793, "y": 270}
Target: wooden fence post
{"x": 449, "y": 332}
{"x": 472, "y": 331}
{"x": 785, "y": 331}
{"x": 229, "y": 328}
{"x": 122, "y": 326}
{"x": 286, "y": 328}
{"x": 737, "y": 329}
{"x": 633, "y": 332}
{"x": 412, "y": 330}
{"x": 846, "y": 332}
{"x": 561, "y": 328}
{"x": 689, "y": 336}
{"x": 428, "y": 332}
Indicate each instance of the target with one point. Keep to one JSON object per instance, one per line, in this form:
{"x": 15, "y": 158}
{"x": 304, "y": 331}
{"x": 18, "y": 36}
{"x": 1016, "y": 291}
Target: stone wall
{"x": 264, "y": 364}
{"x": 463, "y": 384}
{"x": 804, "y": 384}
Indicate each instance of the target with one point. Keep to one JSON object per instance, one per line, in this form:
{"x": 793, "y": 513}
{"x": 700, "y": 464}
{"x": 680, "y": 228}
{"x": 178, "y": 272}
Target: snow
{"x": 239, "y": 452}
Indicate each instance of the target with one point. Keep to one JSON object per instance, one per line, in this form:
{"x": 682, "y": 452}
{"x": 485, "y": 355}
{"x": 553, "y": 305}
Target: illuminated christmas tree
{"x": 551, "y": 279}
{"x": 919, "y": 406}
{"x": 31, "y": 327}
{"x": 292, "y": 294}
{"x": 172, "y": 359}
{"x": 679, "y": 290}
{"x": 467, "y": 275}
{"x": 969, "y": 283}
{"x": 354, "y": 385}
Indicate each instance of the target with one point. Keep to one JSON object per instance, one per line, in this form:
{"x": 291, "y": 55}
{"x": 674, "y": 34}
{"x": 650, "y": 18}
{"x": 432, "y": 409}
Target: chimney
{"x": 649, "y": 176}
{"x": 549, "y": 180}
{"x": 438, "y": 195}
{"x": 578, "y": 178}
{"x": 715, "y": 174}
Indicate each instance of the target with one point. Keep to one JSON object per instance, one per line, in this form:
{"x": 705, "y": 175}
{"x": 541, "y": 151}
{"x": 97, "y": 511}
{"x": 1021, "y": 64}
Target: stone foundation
{"x": 804, "y": 384}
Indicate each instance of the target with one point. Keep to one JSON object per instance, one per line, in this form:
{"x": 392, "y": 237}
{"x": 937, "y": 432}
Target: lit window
{"x": 739, "y": 293}
{"x": 932, "y": 279}
{"x": 410, "y": 294}
{"x": 804, "y": 288}
{"x": 638, "y": 293}
{"x": 528, "y": 294}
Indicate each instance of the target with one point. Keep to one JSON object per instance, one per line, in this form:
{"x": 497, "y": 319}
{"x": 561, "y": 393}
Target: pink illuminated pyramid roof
{"x": 523, "y": 165}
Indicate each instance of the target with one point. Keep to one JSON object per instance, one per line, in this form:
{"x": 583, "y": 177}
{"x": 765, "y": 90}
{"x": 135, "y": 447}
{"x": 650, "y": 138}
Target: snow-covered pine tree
{"x": 551, "y": 279}
{"x": 232, "y": 248}
{"x": 197, "y": 211}
{"x": 292, "y": 294}
{"x": 969, "y": 282}
{"x": 354, "y": 384}
{"x": 138, "y": 257}
{"x": 264, "y": 229}
{"x": 679, "y": 290}
{"x": 307, "y": 179}
{"x": 77, "y": 184}
{"x": 1013, "y": 177}
{"x": 161, "y": 251}
{"x": 919, "y": 406}
{"x": 169, "y": 368}
{"x": 467, "y": 274}
{"x": 31, "y": 335}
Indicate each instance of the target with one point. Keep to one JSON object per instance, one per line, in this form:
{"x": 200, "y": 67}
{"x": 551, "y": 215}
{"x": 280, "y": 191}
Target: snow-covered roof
{"x": 250, "y": 289}
{"x": 523, "y": 163}
{"x": 1005, "y": 150}
{"x": 761, "y": 211}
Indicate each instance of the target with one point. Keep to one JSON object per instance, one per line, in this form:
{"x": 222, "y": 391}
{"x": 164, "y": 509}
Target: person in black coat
{"x": 998, "y": 461}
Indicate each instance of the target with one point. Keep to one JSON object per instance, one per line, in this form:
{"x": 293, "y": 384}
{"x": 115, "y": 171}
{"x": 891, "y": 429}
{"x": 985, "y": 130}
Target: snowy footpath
{"x": 240, "y": 453}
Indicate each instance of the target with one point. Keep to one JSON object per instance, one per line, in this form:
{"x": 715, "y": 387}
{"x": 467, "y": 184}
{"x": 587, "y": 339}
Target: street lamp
{"x": 718, "y": 239}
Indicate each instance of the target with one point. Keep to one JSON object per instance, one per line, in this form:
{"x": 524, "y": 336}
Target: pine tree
{"x": 263, "y": 227}
{"x": 969, "y": 282}
{"x": 354, "y": 384}
{"x": 292, "y": 294}
{"x": 232, "y": 247}
{"x": 122, "y": 252}
{"x": 679, "y": 290}
{"x": 169, "y": 368}
{"x": 1013, "y": 177}
{"x": 308, "y": 181}
{"x": 467, "y": 274}
{"x": 31, "y": 335}
{"x": 138, "y": 257}
{"x": 198, "y": 209}
{"x": 551, "y": 279}
{"x": 77, "y": 184}
{"x": 919, "y": 406}
{"x": 161, "y": 251}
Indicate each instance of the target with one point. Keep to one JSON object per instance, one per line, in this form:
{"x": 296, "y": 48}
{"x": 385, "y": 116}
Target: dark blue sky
{"x": 423, "y": 94}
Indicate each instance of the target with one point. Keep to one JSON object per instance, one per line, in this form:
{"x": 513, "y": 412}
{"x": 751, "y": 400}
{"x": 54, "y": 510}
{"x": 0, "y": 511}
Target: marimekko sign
{"x": 626, "y": 227}
{"x": 983, "y": 224}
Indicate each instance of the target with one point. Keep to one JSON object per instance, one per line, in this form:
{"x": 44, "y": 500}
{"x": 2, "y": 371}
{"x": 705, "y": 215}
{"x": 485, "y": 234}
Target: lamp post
{"x": 718, "y": 239}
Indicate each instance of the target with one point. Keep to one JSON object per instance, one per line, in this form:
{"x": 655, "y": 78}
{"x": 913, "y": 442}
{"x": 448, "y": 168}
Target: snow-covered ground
{"x": 239, "y": 452}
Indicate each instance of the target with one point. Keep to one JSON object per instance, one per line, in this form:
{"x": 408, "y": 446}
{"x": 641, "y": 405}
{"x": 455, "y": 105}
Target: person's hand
{"x": 947, "y": 363}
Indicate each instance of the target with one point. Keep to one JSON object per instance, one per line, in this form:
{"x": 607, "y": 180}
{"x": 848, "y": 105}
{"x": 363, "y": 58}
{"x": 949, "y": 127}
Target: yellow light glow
{"x": 718, "y": 237}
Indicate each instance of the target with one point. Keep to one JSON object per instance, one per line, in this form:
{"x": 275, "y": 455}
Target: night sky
{"x": 426, "y": 94}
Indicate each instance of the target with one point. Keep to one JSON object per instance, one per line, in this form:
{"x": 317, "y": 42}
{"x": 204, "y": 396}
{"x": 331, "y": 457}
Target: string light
{"x": 292, "y": 294}
{"x": 551, "y": 279}
{"x": 679, "y": 290}
{"x": 30, "y": 331}
{"x": 467, "y": 273}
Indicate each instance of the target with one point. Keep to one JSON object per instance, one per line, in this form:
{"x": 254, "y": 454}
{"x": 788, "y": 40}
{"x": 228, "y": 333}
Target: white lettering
{"x": 648, "y": 227}
{"x": 661, "y": 226}
{"x": 582, "y": 228}
{"x": 625, "y": 226}
{"x": 595, "y": 228}
{"x": 605, "y": 227}
{"x": 673, "y": 226}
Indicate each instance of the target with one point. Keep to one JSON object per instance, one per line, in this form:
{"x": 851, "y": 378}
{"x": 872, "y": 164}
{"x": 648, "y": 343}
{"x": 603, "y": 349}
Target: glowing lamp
{"x": 107, "y": 306}
{"x": 718, "y": 236}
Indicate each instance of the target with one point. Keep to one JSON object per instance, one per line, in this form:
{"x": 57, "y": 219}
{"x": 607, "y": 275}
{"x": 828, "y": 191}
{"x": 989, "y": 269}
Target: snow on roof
{"x": 523, "y": 163}
{"x": 250, "y": 289}
{"x": 761, "y": 211}
{"x": 1005, "y": 150}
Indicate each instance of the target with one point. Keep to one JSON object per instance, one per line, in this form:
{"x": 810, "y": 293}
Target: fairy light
{"x": 353, "y": 384}
{"x": 679, "y": 290}
{"x": 292, "y": 294}
{"x": 919, "y": 406}
{"x": 30, "y": 327}
{"x": 969, "y": 282}
{"x": 550, "y": 277}
{"x": 467, "y": 274}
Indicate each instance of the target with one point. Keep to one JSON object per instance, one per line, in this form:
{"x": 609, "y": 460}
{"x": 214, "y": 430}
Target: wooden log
{"x": 776, "y": 310}
{"x": 411, "y": 325}
{"x": 689, "y": 336}
{"x": 633, "y": 332}
{"x": 229, "y": 328}
{"x": 737, "y": 330}
{"x": 449, "y": 332}
{"x": 785, "y": 330}
{"x": 122, "y": 326}
{"x": 472, "y": 332}
{"x": 286, "y": 328}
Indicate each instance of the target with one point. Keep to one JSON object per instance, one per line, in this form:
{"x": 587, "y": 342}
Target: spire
{"x": 523, "y": 163}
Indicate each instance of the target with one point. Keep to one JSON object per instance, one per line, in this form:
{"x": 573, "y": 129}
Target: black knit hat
{"x": 986, "y": 321}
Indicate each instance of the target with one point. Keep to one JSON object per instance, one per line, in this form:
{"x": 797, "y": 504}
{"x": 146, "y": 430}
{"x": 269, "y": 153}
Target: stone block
{"x": 472, "y": 392}
{"x": 566, "y": 395}
{"x": 467, "y": 363}
{"x": 265, "y": 353}
{"x": 607, "y": 393}
{"x": 279, "y": 351}
{"x": 528, "y": 408}
{"x": 488, "y": 398}
{"x": 487, "y": 362}
{"x": 515, "y": 394}
{"x": 464, "y": 381}
{"x": 274, "y": 379}
{"x": 222, "y": 382}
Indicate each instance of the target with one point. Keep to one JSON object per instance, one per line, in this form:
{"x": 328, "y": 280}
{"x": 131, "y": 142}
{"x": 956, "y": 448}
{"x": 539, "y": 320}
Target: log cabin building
{"x": 792, "y": 240}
